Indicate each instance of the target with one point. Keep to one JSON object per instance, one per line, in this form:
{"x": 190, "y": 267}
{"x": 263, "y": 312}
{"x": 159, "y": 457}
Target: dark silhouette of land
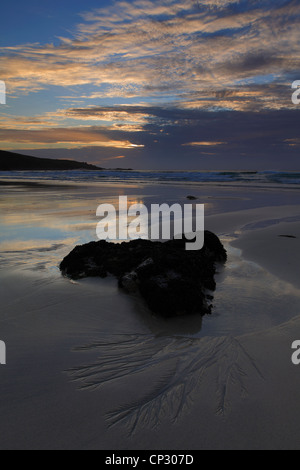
{"x": 10, "y": 161}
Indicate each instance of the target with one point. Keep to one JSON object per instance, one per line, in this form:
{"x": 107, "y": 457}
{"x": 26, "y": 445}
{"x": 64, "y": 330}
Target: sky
{"x": 146, "y": 84}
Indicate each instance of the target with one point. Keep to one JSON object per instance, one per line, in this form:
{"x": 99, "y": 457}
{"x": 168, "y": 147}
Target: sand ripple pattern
{"x": 184, "y": 362}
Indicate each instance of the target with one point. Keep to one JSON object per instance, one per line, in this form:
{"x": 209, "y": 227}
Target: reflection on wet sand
{"x": 136, "y": 372}
{"x": 50, "y": 213}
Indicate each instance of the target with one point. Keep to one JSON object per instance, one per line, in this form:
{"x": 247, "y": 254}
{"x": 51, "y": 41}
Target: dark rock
{"x": 287, "y": 236}
{"x": 172, "y": 281}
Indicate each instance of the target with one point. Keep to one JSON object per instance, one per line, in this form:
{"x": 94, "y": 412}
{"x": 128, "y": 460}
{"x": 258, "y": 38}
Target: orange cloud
{"x": 131, "y": 50}
{"x": 203, "y": 144}
{"x": 293, "y": 142}
{"x": 60, "y": 138}
{"x": 114, "y": 158}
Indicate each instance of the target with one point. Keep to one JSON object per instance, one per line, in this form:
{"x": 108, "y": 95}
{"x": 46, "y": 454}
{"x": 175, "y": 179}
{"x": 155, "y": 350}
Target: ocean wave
{"x": 150, "y": 176}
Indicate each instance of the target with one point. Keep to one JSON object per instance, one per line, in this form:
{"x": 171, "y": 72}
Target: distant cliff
{"x": 10, "y": 161}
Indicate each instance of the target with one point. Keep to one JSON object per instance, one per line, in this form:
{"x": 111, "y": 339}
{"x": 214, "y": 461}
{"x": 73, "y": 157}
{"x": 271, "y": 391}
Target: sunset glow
{"x": 155, "y": 79}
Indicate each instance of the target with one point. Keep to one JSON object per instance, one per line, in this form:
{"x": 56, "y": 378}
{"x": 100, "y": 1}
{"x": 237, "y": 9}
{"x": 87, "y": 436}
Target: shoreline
{"x": 235, "y": 179}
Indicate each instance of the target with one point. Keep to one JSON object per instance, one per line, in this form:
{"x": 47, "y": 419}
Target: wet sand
{"x": 88, "y": 367}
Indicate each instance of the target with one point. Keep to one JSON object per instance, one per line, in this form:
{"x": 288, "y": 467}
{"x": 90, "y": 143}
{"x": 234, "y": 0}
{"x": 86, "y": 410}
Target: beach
{"x": 89, "y": 367}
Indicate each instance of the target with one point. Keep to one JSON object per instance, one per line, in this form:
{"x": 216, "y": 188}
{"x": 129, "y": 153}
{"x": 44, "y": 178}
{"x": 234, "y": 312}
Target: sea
{"x": 254, "y": 178}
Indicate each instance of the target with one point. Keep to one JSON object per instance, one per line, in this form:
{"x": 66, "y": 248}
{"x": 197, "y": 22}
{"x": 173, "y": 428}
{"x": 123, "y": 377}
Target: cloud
{"x": 60, "y": 138}
{"x": 293, "y": 142}
{"x": 114, "y": 158}
{"x": 203, "y": 144}
{"x": 185, "y": 77}
{"x": 143, "y": 48}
